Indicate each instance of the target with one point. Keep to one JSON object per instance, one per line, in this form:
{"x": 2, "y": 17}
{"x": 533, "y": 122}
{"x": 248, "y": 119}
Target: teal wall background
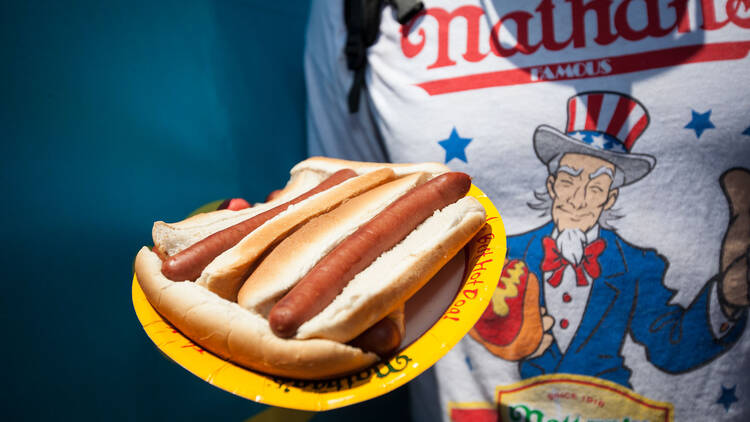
{"x": 114, "y": 114}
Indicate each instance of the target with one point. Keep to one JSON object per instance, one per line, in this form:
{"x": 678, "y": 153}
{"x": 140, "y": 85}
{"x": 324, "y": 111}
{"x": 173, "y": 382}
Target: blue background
{"x": 112, "y": 115}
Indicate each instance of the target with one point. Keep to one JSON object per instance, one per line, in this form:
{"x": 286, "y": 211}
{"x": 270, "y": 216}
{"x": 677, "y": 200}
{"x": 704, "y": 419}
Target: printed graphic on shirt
{"x": 727, "y": 397}
{"x": 511, "y": 327}
{"x": 516, "y": 33}
{"x": 700, "y": 122}
{"x": 455, "y": 146}
{"x": 573, "y": 289}
{"x": 564, "y": 397}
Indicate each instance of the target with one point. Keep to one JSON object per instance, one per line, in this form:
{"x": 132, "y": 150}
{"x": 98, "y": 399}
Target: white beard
{"x": 571, "y": 243}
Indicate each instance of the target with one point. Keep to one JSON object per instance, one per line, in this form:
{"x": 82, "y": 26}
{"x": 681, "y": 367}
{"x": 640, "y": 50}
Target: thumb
{"x": 736, "y": 186}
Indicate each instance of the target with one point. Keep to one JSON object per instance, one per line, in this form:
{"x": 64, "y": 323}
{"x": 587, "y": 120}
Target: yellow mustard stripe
{"x": 280, "y": 414}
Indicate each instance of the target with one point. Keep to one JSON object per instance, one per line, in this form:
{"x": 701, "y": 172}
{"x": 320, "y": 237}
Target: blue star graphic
{"x": 727, "y": 397}
{"x": 455, "y": 147}
{"x": 746, "y": 131}
{"x": 700, "y": 122}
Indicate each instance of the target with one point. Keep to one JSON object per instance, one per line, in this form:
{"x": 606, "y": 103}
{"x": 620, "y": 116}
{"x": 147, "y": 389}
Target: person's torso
{"x": 468, "y": 83}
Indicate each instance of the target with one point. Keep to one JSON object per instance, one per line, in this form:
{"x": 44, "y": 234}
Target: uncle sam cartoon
{"x": 596, "y": 288}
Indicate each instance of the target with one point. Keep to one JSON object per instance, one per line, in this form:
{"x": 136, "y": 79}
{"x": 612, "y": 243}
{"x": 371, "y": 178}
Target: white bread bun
{"x": 278, "y": 272}
{"x": 235, "y": 334}
{"x": 378, "y": 290}
{"x": 327, "y": 166}
{"x": 313, "y": 170}
{"x": 226, "y": 273}
{"x": 171, "y": 238}
{"x": 398, "y": 273}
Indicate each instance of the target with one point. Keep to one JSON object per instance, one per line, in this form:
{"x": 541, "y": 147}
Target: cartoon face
{"x": 580, "y": 191}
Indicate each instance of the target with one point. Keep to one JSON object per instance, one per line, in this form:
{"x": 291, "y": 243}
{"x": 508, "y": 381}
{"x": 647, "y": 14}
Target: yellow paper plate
{"x": 463, "y": 290}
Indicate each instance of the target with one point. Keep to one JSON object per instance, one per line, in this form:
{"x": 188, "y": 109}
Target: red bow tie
{"x": 553, "y": 261}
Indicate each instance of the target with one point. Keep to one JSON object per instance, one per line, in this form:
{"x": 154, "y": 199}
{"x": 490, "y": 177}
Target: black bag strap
{"x": 362, "y": 19}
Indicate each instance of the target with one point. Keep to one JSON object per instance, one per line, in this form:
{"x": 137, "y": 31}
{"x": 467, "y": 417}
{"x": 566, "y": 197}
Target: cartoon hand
{"x": 735, "y": 249}
{"x": 547, "y": 323}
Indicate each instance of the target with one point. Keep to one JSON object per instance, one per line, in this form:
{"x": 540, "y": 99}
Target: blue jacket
{"x": 629, "y": 297}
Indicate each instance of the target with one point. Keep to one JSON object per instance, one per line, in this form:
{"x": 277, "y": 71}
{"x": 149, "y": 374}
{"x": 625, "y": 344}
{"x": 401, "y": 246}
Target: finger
{"x": 543, "y": 310}
{"x": 547, "y": 322}
{"x": 543, "y": 345}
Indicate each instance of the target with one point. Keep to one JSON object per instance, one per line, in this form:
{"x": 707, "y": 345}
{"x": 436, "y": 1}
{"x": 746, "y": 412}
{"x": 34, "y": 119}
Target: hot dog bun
{"x": 278, "y": 273}
{"x": 313, "y": 170}
{"x": 328, "y": 278}
{"x": 279, "y": 252}
{"x": 398, "y": 274}
{"x": 243, "y": 337}
{"x": 171, "y": 238}
{"x": 190, "y": 263}
{"x": 225, "y": 274}
{"x": 323, "y": 166}
{"x": 385, "y": 284}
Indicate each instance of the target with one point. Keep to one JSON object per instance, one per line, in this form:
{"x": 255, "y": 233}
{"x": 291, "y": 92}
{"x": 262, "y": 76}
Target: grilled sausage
{"x": 189, "y": 263}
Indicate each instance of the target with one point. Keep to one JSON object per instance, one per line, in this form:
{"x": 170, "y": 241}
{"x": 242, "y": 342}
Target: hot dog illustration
{"x": 511, "y": 326}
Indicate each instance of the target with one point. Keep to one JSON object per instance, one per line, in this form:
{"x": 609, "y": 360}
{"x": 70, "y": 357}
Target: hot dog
{"x": 511, "y": 325}
{"x": 225, "y": 274}
{"x": 377, "y": 290}
{"x": 316, "y": 290}
{"x": 239, "y": 336}
{"x": 366, "y": 318}
{"x": 384, "y": 337}
{"x": 190, "y": 262}
{"x": 277, "y": 274}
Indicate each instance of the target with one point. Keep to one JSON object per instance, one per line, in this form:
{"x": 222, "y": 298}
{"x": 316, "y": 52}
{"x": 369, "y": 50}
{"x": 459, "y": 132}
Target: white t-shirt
{"x": 497, "y": 89}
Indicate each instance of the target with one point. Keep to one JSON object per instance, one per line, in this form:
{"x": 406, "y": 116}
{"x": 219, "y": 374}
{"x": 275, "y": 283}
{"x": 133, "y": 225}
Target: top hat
{"x": 604, "y": 125}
